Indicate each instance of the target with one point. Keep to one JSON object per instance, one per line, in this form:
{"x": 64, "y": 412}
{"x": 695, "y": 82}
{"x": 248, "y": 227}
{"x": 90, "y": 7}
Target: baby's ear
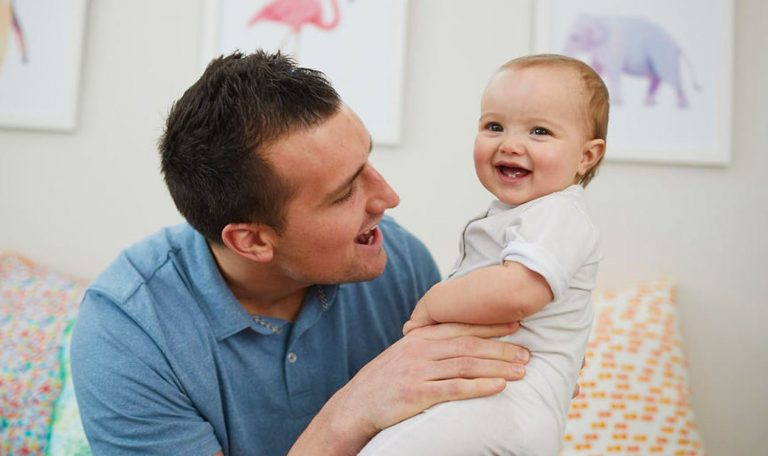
{"x": 591, "y": 153}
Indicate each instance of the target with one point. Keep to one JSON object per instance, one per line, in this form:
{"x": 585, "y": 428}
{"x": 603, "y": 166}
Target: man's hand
{"x": 431, "y": 364}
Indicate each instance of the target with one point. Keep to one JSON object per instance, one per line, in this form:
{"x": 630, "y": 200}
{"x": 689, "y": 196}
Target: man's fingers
{"x": 471, "y": 368}
{"x": 451, "y": 330}
{"x": 458, "y": 389}
{"x": 479, "y": 348}
{"x": 433, "y": 364}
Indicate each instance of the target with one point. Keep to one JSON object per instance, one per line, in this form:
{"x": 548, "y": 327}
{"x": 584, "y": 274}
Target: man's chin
{"x": 371, "y": 271}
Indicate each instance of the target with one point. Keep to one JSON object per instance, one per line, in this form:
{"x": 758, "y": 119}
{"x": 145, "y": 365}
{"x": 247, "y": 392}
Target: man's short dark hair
{"x": 211, "y": 149}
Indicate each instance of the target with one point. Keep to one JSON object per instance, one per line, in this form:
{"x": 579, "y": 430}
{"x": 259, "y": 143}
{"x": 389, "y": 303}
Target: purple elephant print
{"x": 634, "y": 46}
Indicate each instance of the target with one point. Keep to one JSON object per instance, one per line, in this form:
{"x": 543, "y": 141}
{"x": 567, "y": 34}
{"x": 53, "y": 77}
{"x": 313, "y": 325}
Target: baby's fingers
{"x": 410, "y": 325}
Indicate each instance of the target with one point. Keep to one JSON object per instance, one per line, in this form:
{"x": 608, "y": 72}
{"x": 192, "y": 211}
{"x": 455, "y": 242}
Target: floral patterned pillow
{"x": 67, "y": 434}
{"x": 634, "y": 396}
{"x": 36, "y": 305}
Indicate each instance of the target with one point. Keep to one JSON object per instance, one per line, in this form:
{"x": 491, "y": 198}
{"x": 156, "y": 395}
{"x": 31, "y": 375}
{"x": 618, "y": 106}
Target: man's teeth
{"x": 367, "y": 238}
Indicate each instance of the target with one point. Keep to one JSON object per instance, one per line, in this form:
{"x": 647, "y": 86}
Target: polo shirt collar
{"x": 225, "y": 314}
{"x": 316, "y": 303}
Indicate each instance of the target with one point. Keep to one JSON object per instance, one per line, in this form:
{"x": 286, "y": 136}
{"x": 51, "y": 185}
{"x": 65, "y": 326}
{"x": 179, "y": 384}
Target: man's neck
{"x": 259, "y": 288}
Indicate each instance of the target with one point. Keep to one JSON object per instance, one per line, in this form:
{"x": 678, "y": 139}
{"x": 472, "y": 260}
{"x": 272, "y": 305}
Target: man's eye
{"x": 539, "y": 131}
{"x": 494, "y": 126}
{"x": 346, "y": 196}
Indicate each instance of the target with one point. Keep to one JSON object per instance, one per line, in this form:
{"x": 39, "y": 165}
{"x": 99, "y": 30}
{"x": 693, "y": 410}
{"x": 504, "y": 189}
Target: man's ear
{"x": 254, "y": 241}
{"x": 591, "y": 153}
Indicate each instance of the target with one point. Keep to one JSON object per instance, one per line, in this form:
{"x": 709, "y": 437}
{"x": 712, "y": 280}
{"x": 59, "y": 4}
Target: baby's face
{"x": 532, "y": 133}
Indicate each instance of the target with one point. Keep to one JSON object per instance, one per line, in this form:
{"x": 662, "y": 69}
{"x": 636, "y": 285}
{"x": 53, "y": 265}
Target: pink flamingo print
{"x": 296, "y": 14}
{"x": 9, "y": 22}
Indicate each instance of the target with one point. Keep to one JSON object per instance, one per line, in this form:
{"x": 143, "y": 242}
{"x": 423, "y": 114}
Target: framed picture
{"x": 668, "y": 68}
{"x": 40, "y": 51}
{"x": 359, "y": 45}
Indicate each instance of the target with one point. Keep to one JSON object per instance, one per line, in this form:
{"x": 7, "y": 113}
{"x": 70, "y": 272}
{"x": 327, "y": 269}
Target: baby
{"x": 532, "y": 256}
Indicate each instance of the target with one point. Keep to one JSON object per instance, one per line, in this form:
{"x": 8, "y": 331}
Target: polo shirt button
{"x": 292, "y": 357}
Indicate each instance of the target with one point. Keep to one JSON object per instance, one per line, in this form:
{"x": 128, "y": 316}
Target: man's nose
{"x": 382, "y": 196}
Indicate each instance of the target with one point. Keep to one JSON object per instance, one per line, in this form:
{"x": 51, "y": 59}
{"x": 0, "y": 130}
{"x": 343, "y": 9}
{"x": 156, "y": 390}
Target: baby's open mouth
{"x": 368, "y": 237}
{"x": 513, "y": 171}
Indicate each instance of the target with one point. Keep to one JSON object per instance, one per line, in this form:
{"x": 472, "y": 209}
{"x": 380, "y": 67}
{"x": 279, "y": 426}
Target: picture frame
{"x": 670, "y": 110}
{"x": 360, "y": 46}
{"x": 41, "y": 47}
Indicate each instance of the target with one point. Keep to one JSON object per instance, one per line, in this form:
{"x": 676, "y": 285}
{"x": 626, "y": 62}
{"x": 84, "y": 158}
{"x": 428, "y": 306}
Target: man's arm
{"x": 490, "y": 295}
{"x": 430, "y": 365}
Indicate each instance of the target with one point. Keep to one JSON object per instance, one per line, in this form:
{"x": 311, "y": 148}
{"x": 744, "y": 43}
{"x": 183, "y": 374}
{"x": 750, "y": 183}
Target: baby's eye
{"x": 539, "y": 131}
{"x": 494, "y": 126}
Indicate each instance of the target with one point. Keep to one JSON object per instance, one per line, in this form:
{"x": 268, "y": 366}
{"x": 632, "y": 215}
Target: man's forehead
{"x": 332, "y": 151}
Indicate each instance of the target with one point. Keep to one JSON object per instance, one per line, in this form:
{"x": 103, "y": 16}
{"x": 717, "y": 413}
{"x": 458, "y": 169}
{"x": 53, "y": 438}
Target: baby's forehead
{"x": 575, "y": 77}
{"x": 566, "y": 74}
{"x": 566, "y": 78}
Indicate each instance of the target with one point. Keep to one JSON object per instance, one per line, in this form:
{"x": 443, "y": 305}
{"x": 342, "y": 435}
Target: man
{"x": 271, "y": 322}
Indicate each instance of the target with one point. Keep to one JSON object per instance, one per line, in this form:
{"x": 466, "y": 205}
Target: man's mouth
{"x": 513, "y": 172}
{"x": 367, "y": 238}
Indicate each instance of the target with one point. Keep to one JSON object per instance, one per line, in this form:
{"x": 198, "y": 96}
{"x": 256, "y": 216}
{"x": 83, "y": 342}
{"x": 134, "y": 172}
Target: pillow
{"x": 634, "y": 388}
{"x": 67, "y": 435}
{"x": 36, "y": 305}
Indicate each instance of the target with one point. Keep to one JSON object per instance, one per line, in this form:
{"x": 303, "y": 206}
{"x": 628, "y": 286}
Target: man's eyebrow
{"x": 347, "y": 183}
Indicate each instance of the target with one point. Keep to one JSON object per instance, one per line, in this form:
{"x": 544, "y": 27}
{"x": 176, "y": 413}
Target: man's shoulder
{"x": 145, "y": 287}
{"x": 401, "y": 241}
{"x": 389, "y": 224}
{"x": 408, "y": 257}
{"x": 139, "y": 263}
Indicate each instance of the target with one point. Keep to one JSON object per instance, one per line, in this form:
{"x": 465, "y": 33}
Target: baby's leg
{"x": 496, "y": 425}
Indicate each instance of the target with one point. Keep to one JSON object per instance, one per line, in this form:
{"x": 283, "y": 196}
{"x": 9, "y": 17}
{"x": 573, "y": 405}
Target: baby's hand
{"x": 420, "y": 317}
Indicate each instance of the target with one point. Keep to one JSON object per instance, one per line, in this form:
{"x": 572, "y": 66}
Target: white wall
{"x": 72, "y": 201}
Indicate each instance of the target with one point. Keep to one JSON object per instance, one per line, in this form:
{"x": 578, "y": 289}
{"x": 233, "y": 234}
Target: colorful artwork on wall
{"x": 40, "y": 52}
{"x": 669, "y": 77}
{"x": 358, "y": 44}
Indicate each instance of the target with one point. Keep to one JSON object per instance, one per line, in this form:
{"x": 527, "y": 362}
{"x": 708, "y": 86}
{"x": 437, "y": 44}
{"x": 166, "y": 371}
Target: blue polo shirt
{"x": 166, "y": 361}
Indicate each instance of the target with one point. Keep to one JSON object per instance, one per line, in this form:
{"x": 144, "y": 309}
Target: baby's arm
{"x": 494, "y": 294}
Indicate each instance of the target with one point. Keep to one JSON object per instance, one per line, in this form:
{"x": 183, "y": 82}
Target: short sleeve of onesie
{"x": 552, "y": 236}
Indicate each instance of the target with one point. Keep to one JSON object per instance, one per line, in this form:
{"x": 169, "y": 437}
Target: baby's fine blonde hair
{"x": 596, "y": 94}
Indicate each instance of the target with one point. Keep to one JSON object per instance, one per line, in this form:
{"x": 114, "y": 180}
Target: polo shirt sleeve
{"x": 130, "y": 403}
{"x": 553, "y": 237}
